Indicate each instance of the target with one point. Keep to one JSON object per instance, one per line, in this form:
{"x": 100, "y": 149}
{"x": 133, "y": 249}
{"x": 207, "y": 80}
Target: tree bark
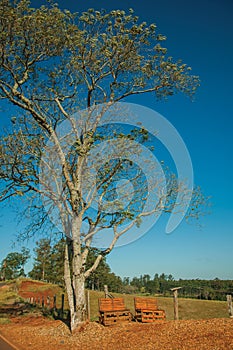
{"x": 43, "y": 272}
{"x": 68, "y": 284}
{"x": 80, "y": 297}
{"x": 75, "y": 285}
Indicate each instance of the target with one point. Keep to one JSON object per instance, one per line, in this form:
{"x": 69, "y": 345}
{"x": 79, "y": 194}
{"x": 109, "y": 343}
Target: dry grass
{"x": 4, "y": 320}
{"x": 45, "y": 288}
{"x": 8, "y": 294}
{"x": 188, "y": 308}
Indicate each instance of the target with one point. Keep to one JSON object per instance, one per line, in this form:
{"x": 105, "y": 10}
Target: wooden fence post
{"x": 229, "y": 303}
{"x": 175, "y": 299}
{"x": 55, "y": 302}
{"x": 88, "y": 306}
{"x": 48, "y": 302}
{"x": 106, "y": 291}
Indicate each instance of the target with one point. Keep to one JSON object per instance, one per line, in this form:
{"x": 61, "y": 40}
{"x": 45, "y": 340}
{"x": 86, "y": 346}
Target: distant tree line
{"x": 48, "y": 266}
{"x": 215, "y": 289}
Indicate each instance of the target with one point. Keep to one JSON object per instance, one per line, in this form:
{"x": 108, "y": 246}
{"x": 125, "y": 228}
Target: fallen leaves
{"x": 40, "y": 333}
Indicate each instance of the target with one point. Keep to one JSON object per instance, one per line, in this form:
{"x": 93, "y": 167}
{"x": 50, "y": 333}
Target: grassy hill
{"x": 188, "y": 308}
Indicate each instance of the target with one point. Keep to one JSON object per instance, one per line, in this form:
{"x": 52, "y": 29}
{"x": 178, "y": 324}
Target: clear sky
{"x": 200, "y": 33}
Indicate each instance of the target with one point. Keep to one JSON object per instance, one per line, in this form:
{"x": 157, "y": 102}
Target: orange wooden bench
{"x": 146, "y": 310}
{"x": 112, "y": 310}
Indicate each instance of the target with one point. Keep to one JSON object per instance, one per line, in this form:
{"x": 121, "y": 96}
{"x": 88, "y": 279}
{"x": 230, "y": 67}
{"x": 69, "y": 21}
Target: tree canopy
{"x": 52, "y": 64}
{"x": 13, "y": 265}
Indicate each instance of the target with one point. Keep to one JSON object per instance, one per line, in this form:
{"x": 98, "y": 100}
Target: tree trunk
{"x": 75, "y": 275}
{"x": 80, "y": 297}
{"x": 43, "y": 273}
{"x": 75, "y": 281}
{"x": 68, "y": 284}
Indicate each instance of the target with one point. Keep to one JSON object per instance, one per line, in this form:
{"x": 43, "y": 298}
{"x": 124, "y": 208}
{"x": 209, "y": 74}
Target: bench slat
{"x": 147, "y": 310}
{"x": 145, "y": 303}
{"x": 115, "y": 304}
{"x": 113, "y": 310}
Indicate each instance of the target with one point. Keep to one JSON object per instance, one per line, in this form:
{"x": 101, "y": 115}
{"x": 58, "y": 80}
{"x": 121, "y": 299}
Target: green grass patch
{"x": 188, "y": 308}
{"x": 202, "y": 309}
{"x": 4, "y": 320}
{"x": 9, "y": 295}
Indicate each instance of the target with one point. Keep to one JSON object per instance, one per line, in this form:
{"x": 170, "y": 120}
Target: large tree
{"x": 53, "y": 63}
{"x": 13, "y": 265}
{"x": 42, "y": 268}
{"x": 49, "y": 262}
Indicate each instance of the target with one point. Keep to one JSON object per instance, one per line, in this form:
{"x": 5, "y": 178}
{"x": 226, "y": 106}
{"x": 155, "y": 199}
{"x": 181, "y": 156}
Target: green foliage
{"x": 52, "y": 63}
{"x": 195, "y": 288}
{"x": 52, "y": 256}
{"x": 49, "y": 261}
{"x": 93, "y": 57}
{"x": 41, "y": 269}
{"x": 13, "y": 265}
{"x": 49, "y": 266}
{"x": 102, "y": 275}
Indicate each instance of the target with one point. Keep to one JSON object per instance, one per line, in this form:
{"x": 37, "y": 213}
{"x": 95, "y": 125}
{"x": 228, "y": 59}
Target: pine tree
{"x": 42, "y": 263}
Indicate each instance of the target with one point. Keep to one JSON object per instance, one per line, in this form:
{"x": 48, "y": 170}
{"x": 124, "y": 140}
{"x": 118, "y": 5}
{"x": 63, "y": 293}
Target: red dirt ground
{"x": 28, "y": 290}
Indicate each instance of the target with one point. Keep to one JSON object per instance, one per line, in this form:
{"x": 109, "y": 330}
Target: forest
{"x": 48, "y": 266}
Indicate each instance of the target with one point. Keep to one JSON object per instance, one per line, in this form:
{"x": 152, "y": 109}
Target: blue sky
{"x": 200, "y": 33}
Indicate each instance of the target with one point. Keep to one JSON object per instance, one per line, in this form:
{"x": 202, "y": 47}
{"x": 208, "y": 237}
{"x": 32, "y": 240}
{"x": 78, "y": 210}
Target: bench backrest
{"x": 145, "y": 304}
{"x": 111, "y": 304}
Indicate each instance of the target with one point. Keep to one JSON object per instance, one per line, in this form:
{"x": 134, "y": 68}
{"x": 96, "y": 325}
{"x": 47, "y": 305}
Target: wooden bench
{"x": 112, "y": 311}
{"x": 146, "y": 310}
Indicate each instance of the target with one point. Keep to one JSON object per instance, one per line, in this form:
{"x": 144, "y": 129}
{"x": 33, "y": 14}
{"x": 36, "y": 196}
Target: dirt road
{"x": 5, "y": 345}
